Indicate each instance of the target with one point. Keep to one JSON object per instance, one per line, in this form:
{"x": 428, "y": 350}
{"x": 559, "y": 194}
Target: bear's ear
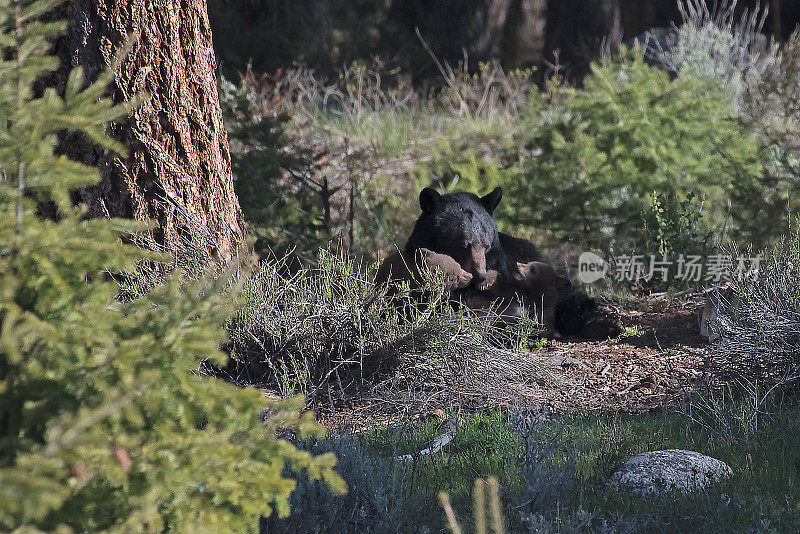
{"x": 429, "y": 200}
{"x": 491, "y": 200}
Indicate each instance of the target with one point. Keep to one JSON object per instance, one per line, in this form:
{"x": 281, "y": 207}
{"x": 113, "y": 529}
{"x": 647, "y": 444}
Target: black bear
{"x": 462, "y": 226}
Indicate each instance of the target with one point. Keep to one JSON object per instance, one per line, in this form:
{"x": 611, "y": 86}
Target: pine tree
{"x": 630, "y": 131}
{"x": 104, "y": 422}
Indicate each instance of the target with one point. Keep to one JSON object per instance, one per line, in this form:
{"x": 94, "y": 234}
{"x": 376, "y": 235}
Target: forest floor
{"x": 656, "y": 364}
{"x": 554, "y": 452}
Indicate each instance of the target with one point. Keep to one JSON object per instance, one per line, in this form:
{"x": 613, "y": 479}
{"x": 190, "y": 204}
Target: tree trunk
{"x": 177, "y": 171}
{"x": 576, "y": 30}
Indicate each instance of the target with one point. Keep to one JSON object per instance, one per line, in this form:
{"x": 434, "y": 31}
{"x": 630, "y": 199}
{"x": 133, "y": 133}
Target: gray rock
{"x": 656, "y": 472}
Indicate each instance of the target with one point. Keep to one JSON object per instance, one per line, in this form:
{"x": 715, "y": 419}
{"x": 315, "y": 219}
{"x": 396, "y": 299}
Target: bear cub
{"x": 398, "y": 268}
{"x": 535, "y": 287}
{"x": 543, "y": 288}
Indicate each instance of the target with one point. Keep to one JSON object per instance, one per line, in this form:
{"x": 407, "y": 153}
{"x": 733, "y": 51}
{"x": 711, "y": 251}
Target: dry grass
{"x": 329, "y": 333}
{"x": 759, "y": 323}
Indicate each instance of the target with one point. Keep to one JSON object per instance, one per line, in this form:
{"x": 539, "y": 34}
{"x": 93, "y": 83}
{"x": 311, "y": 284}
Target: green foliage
{"x": 773, "y": 110}
{"x": 277, "y": 187}
{"x": 453, "y": 169}
{"x": 104, "y": 424}
{"x": 628, "y": 132}
{"x": 673, "y": 225}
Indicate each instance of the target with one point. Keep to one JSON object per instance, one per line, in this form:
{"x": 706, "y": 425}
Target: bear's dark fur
{"x": 520, "y": 250}
{"x": 535, "y": 284}
{"x": 544, "y": 289}
{"x": 462, "y": 225}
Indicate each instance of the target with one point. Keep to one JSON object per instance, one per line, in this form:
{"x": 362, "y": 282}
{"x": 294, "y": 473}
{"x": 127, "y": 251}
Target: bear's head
{"x": 541, "y": 277}
{"x": 460, "y": 225}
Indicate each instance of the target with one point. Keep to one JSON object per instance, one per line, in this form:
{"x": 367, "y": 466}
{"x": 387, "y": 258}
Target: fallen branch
{"x": 438, "y": 443}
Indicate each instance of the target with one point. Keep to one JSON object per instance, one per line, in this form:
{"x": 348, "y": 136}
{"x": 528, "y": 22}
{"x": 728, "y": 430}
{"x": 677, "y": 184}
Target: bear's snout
{"x": 476, "y": 264}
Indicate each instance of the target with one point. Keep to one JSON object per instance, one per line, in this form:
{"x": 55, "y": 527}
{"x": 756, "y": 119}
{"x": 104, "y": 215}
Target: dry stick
{"x": 437, "y": 445}
{"x": 447, "y": 74}
{"x": 352, "y": 214}
{"x": 776, "y": 18}
{"x": 479, "y": 505}
{"x": 494, "y": 502}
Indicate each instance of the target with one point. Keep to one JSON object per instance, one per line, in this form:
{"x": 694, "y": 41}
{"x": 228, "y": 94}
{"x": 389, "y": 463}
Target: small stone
{"x": 656, "y": 472}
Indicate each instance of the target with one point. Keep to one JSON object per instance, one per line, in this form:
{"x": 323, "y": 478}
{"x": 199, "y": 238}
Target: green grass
{"x": 554, "y": 474}
{"x": 483, "y": 446}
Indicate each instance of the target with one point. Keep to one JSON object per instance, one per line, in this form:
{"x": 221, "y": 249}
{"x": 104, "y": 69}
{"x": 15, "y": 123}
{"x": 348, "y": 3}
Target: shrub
{"x": 604, "y": 148}
{"x": 759, "y": 321}
{"x": 104, "y": 422}
{"x": 773, "y": 110}
{"x": 712, "y": 45}
{"x": 380, "y": 497}
{"x": 329, "y": 332}
{"x": 282, "y": 196}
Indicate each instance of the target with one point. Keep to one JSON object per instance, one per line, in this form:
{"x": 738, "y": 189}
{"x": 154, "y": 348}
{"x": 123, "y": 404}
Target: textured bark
{"x": 177, "y": 171}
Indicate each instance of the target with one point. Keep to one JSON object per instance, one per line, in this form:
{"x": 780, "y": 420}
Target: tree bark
{"x": 177, "y": 171}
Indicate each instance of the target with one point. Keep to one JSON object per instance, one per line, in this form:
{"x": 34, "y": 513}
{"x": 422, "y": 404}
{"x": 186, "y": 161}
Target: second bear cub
{"x": 535, "y": 288}
{"x": 541, "y": 287}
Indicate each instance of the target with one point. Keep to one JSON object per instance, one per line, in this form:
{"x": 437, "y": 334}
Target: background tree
{"x": 177, "y": 171}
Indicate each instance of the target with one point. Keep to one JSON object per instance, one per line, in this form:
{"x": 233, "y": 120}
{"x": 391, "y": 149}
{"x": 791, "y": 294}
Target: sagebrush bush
{"x": 327, "y": 331}
{"x": 714, "y": 46}
{"x": 105, "y": 423}
{"x": 380, "y": 499}
{"x": 759, "y": 320}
